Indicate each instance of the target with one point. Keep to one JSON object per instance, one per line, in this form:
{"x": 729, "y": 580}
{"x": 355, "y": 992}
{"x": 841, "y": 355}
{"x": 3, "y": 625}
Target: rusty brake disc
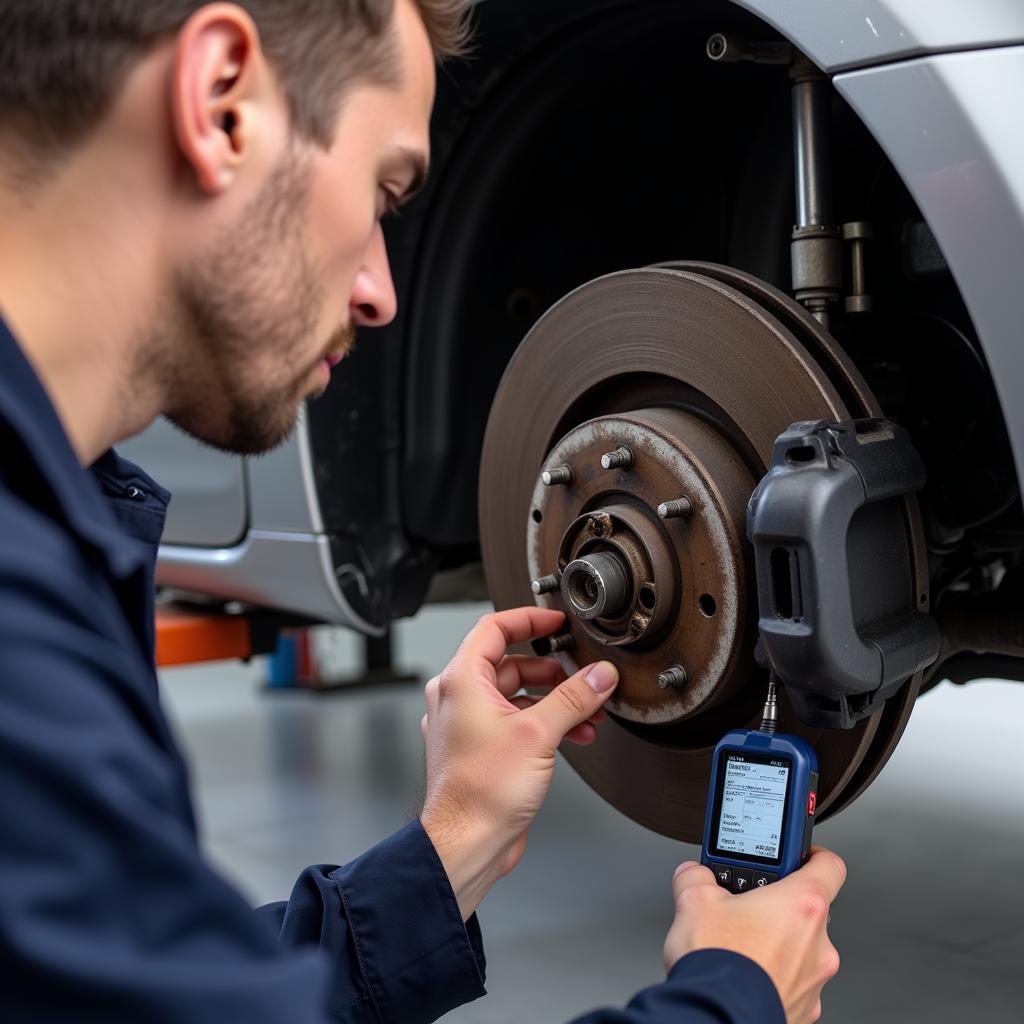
{"x": 624, "y": 441}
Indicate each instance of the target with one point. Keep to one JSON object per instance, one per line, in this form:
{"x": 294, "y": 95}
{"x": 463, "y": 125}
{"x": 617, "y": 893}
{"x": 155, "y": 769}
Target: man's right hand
{"x": 491, "y": 753}
{"x": 782, "y": 928}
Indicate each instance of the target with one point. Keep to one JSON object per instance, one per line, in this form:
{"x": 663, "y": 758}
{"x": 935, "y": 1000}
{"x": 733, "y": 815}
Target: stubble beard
{"x": 257, "y": 292}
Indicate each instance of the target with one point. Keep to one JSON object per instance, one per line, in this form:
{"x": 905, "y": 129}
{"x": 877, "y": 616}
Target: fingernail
{"x": 686, "y": 865}
{"x": 602, "y": 676}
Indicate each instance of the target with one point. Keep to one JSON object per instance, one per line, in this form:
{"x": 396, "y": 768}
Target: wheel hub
{"x": 649, "y": 554}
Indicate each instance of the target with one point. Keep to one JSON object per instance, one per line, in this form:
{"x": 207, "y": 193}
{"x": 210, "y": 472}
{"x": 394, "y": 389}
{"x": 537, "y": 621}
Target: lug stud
{"x": 673, "y": 678}
{"x": 678, "y": 508}
{"x": 546, "y": 584}
{"x": 621, "y": 458}
{"x": 553, "y": 644}
{"x": 558, "y": 475}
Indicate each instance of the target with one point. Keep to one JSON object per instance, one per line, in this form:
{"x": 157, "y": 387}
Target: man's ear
{"x": 220, "y": 79}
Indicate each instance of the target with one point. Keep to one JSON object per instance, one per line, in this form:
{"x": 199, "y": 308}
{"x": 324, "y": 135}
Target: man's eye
{"x": 388, "y": 203}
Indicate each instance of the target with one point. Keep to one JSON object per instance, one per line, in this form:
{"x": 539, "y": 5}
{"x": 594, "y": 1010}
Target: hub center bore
{"x": 617, "y": 574}
{"x": 597, "y": 586}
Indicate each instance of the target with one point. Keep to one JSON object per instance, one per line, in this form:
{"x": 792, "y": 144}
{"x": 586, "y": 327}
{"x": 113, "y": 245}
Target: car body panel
{"x": 210, "y": 506}
{"x": 290, "y": 571}
{"x": 282, "y": 491}
{"x": 284, "y": 560}
{"x": 952, "y": 127}
{"x": 841, "y": 34}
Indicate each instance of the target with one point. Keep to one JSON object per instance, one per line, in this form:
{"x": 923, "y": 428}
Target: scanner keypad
{"x": 742, "y": 879}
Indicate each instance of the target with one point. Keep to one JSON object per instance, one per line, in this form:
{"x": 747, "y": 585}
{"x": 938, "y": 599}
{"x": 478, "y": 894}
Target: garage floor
{"x": 930, "y": 924}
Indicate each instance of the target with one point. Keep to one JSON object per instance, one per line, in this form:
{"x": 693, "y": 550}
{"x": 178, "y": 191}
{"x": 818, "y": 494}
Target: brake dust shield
{"x": 650, "y": 399}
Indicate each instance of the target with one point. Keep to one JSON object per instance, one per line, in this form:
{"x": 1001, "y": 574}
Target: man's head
{"x": 260, "y": 142}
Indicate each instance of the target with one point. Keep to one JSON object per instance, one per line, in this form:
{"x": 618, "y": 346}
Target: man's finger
{"x": 528, "y": 700}
{"x": 691, "y": 874}
{"x": 574, "y": 701}
{"x": 582, "y": 735}
{"x": 517, "y": 671}
{"x": 825, "y": 871}
{"x": 491, "y": 637}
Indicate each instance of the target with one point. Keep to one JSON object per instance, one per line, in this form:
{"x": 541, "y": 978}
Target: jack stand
{"x": 294, "y": 666}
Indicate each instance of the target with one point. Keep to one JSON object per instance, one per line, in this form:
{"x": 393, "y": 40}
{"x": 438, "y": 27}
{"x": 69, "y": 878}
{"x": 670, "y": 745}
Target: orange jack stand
{"x": 187, "y": 637}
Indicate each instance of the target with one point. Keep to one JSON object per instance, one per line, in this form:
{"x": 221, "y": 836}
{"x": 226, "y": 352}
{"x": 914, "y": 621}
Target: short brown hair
{"x": 62, "y": 62}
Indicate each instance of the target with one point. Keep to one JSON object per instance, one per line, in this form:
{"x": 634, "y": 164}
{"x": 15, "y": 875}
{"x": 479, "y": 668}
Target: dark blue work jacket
{"x": 107, "y": 910}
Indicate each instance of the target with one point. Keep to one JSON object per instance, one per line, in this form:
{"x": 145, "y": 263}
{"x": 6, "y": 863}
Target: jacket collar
{"x": 76, "y": 496}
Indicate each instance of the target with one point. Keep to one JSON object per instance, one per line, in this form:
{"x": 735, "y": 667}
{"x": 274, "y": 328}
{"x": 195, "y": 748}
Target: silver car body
{"x": 938, "y": 84}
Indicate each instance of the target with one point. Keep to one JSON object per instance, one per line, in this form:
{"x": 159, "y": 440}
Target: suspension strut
{"x": 817, "y": 242}
{"x": 816, "y": 245}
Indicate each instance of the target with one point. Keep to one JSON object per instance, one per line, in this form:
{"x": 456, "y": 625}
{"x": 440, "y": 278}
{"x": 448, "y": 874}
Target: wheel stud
{"x": 678, "y": 508}
{"x": 673, "y": 678}
{"x": 554, "y": 644}
{"x": 621, "y": 458}
{"x": 558, "y": 475}
{"x": 546, "y": 584}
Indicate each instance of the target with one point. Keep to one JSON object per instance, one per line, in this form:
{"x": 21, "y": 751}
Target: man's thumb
{"x": 571, "y": 703}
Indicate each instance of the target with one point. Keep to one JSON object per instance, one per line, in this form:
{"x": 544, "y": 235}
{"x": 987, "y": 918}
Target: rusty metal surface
{"x": 981, "y": 633}
{"x": 696, "y": 563}
{"x": 857, "y": 396}
{"x": 823, "y": 348}
{"x": 700, "y": 378}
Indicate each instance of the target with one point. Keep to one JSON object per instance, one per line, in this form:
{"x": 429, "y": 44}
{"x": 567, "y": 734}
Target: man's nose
{"x": 374, "y": 302}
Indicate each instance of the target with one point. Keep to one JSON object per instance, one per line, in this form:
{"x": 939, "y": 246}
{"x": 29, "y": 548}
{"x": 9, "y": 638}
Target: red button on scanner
{"x": 812, "y": 802}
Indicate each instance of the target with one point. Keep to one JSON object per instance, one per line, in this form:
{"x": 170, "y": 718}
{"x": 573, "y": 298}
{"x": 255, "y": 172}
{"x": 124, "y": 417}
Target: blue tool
{"x": 761, "y": 804}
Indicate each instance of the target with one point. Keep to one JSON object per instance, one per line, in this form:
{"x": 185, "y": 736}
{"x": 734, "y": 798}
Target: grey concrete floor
{"x": 930, "y": 925}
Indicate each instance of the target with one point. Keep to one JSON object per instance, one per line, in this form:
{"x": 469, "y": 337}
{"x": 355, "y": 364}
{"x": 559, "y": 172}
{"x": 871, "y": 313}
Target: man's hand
{"x": 781, "y": 927}
{"x": 490, "y": 753}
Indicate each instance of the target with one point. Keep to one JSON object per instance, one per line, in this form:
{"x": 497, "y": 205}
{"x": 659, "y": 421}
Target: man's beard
{"x": 255, "y": 294}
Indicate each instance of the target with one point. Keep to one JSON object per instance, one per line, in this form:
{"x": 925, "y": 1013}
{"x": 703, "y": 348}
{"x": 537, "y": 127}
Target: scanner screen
{"x": 753, "y": 801}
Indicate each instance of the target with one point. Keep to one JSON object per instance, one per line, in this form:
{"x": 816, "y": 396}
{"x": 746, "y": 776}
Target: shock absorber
{"x": 817, "y": 246}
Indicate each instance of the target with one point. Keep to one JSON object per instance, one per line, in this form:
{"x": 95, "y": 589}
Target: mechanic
{"x": 191, "y": 198}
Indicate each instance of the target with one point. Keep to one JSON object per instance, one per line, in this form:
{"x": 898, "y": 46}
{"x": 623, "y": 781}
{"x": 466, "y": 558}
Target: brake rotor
{"x": 625, "y": 439}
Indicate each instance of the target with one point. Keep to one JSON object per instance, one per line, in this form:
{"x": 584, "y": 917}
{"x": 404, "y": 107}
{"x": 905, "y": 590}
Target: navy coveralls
{"x": 107, "y": 910}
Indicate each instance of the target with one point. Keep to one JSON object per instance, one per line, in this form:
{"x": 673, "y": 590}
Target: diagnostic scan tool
{"x": 761, "y": 804}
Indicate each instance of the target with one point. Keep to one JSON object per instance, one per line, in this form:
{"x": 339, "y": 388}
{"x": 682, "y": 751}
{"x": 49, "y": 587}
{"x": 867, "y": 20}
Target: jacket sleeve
{"x": 392, "y": 917}
{"x": 711, "y": 986}
{"x": 108, "y": 911}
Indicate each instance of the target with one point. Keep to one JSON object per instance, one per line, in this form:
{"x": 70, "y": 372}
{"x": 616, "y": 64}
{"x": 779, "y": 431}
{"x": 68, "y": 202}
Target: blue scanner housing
{"x": 763, "y": 785}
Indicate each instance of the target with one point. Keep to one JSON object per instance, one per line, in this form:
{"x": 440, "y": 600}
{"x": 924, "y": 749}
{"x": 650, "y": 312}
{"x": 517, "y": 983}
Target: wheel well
{"x": 606, "y": 142}
{"x": 609, "y": 141}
